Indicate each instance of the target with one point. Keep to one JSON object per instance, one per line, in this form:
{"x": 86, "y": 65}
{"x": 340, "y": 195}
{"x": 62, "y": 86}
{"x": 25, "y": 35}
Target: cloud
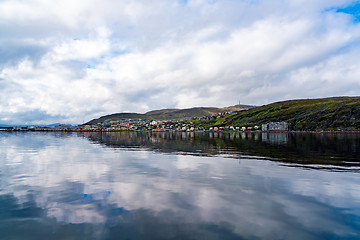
{"x": 77, "y": 61}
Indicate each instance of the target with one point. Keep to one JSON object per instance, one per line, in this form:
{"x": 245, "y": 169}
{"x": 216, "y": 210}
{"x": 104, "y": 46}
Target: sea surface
{"x": 148, "y": 185}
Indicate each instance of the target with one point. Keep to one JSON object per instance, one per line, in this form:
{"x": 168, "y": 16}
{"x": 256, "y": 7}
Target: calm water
{"x": 132, "y": 185}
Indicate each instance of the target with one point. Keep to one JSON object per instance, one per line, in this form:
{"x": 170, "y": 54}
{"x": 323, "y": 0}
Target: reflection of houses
{"x": 275, "y": 126}
{"x": 275, "y": 137}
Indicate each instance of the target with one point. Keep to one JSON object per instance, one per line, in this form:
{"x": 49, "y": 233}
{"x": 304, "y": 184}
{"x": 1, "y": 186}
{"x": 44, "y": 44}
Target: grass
{"x": 307, "y": 114}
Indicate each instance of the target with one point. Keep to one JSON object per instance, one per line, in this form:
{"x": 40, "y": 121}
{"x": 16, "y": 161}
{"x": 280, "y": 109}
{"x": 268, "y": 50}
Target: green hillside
{"x": 177, "y": 114}
{"x": 169, "y": 114}
{"x": 183, "y": 113}
{"x": 307, "y": 114}
{"x": 118, "y": 116}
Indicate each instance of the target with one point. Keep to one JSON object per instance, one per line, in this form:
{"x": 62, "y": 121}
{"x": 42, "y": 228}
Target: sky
{"x": 72, "y": 61}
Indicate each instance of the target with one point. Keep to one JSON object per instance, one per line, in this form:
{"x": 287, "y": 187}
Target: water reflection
{"x": 329, "y": 151}
{"x": 275, "y": 138}
{"x": 66, "y": 187}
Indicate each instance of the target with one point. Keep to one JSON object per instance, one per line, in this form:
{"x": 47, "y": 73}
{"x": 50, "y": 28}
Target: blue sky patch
{"x": 183, "y": 2}
{"x": 120, "y": 52}
{"x": 353, "y": 9}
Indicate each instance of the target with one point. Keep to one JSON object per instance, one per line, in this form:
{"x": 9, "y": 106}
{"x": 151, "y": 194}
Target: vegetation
{"x": 308, "y": 114}
{"x": 169, "y": 114}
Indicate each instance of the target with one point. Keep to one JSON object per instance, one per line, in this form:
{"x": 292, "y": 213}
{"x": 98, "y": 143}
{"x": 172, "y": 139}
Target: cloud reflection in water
{"x": 86, "y": 189}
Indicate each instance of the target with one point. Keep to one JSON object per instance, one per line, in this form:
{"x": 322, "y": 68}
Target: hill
{"x": 170, "y": 114}
{"x": 116, "y": 117}
{"x": 307, "y": 114}
{"x": 183, "y": 113}
{"x": 166, "y": 114}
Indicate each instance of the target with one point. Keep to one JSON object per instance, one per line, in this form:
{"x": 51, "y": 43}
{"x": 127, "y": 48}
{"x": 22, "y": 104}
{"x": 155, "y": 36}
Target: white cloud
{"x": 75, "y": 61}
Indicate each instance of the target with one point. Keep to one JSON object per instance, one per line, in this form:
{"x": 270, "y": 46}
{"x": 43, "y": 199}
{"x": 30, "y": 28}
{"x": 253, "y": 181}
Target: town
{"x": 194, "y": 124}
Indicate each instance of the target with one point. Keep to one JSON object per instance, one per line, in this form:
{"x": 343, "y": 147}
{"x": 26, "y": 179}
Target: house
{"x": 153, "y": 123}
{"x": 275, "y": 126}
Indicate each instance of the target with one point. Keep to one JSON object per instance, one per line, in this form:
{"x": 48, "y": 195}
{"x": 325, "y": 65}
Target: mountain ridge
{"x": 169, "y": 114}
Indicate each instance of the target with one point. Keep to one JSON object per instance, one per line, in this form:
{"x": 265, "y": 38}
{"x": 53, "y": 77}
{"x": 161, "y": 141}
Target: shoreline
{"x": 194, "y": 131}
